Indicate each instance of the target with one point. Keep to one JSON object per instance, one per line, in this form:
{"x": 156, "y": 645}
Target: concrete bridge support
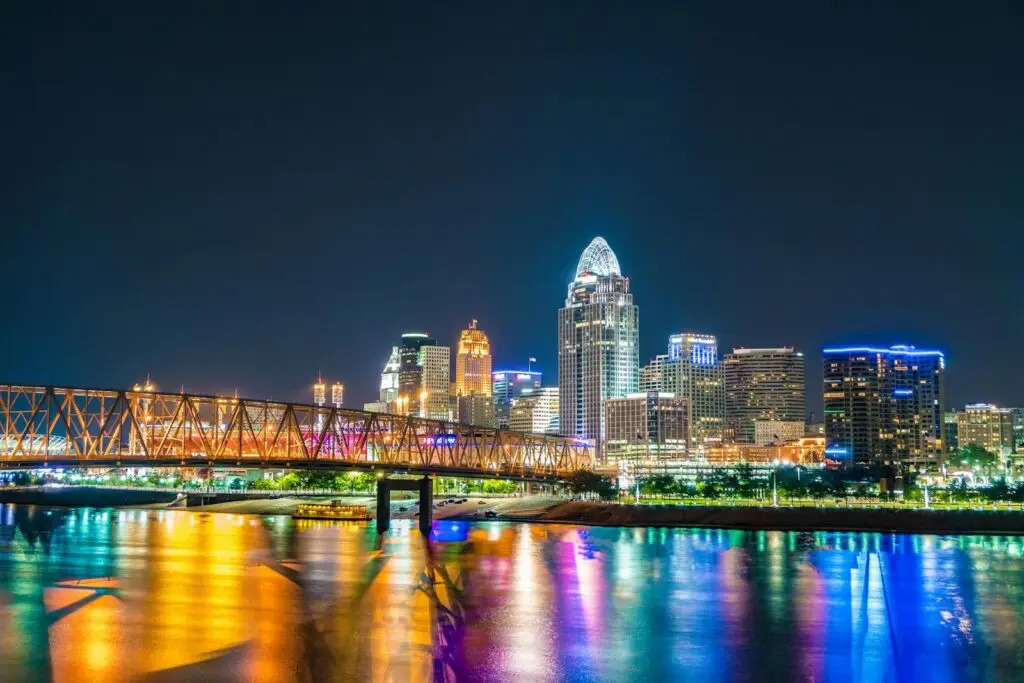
{"x": 426, "y": 490}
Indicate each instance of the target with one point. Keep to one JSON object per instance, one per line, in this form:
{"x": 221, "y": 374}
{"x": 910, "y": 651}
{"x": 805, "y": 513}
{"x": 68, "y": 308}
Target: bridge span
{"x": 49, "y": 426}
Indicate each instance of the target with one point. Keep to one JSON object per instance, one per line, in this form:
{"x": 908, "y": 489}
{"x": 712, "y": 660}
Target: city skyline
{"x": 232, "y": 223}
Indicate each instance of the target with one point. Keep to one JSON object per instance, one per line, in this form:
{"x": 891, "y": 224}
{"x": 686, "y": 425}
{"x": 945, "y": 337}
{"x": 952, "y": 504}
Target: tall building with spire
{"x": 473, "y": 363}
{"x": 598, "y": 343}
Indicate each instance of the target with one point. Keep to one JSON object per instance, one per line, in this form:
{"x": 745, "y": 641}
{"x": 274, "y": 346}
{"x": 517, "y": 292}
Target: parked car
{"x": 490, "y": 513}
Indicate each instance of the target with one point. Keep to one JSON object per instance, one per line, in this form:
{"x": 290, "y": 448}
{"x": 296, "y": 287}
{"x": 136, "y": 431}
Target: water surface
{"x": 124, "y": 595}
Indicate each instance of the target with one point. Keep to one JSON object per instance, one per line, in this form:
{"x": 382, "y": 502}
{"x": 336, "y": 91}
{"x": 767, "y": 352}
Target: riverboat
{"x": 348, "y": 513}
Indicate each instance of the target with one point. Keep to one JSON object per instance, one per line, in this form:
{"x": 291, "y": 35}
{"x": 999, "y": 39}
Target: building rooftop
{"x": 598, "y": 259}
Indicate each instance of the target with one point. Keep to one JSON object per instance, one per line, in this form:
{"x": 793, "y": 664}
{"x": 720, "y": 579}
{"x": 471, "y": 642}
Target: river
{"x": 97, "y": 595}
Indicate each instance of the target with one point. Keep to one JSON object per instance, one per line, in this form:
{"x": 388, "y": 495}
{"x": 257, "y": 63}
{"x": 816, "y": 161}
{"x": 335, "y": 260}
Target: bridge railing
{"x": 77, "y": 425}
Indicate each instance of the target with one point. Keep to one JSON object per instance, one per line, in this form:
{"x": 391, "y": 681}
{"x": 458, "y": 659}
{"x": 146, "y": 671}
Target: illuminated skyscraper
{"x": 691, "y": 371}
{"x": 884, "y": 406}
{"x": 766, "y": 385}
{"x": 598, "y": 330}
{"x": 473, "y": 363}
{"x": 506, "y": 386}
{"x": 423, "y": 372}
{"x": 435, "y": 364}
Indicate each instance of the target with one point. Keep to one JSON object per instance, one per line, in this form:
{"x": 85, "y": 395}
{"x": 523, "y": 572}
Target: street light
{"x": 775, "y": 487}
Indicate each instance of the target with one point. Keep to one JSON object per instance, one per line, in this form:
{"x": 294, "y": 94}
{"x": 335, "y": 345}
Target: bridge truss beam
{"x": 45, "y": 425}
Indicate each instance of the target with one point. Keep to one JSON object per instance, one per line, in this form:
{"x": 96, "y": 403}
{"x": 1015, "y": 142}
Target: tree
{"x": 958, "y": 491}
{"x": 973, "y": 456}
{"x": 658, "y": 485}
{"x": 998, "y": 490}
{"x": 586, "y": 481}
{"x": 746, "y": 486}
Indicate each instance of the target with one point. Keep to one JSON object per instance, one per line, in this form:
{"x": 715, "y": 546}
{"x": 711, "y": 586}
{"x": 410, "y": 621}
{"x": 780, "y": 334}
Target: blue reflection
{"x": 450, "y": 531}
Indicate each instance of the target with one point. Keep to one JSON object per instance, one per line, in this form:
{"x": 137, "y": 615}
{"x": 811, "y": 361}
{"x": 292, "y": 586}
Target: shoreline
{"x": 550, "y": 510}
{"x": 745, "y": 518}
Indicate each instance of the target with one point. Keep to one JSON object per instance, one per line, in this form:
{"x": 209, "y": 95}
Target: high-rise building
{"x": 652, "y": 375}
{"x": 598, "y": 340}
{"x": 506, "y": 386}
{"x": 884, "y": 406}
{"x": 417, "y": 378}
{"x": 473, "y": 363}
{"x": 435, "y": 363}
{"x": 536, "y": 411}
{"x": 985, "y": 425}
{"x": 691, "y": 371}
{"x": 763, "y": 384}
{"x": 645, "y": 427}
{"x": 476, "y": 410}
{"x": 389, "y": 381}
{"x": 410, "y": 373}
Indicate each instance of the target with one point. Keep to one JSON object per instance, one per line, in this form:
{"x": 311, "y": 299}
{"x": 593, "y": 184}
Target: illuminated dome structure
{"x": 598, "y": 259}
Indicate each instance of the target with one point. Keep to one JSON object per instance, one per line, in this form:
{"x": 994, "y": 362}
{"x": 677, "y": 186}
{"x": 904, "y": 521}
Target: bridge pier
{"x": 426, "y": 490}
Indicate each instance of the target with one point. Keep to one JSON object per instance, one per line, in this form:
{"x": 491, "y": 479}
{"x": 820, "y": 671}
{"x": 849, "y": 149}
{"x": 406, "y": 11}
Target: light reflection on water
{"x": 122, "y": 595}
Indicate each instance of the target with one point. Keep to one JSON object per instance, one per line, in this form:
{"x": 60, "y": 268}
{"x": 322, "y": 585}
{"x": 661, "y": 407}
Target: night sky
{"x": 235, "y": 195}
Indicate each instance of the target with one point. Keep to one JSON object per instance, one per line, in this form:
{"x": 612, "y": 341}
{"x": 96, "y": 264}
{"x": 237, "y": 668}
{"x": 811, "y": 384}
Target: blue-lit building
{"x": 884, "y": 406}
{"x": 507, "y": 385}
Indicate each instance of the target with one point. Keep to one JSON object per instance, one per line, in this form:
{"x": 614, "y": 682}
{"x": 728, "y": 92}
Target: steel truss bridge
{"x": 46, "y": 426}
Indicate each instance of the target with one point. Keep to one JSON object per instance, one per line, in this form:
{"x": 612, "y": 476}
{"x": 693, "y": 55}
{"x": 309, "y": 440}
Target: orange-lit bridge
{"x": 74, "y": 427}
{"x": 46, "y": 426}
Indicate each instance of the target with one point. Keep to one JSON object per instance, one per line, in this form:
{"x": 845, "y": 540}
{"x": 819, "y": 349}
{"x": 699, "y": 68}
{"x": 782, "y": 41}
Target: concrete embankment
{"x": 787, "y": 518}
{"x": 82, "y": 496}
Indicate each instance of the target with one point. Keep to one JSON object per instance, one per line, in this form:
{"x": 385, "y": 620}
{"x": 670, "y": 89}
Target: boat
{"x": 348, "y": 513}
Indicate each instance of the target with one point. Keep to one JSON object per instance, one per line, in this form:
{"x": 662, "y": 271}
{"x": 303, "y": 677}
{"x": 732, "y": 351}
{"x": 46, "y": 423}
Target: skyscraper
{"x": 423, "y": 370}
{"x": 884, "y": 406}
{"x": 598, "y": 339}
{"x": 691, "y": 371}
{"x": 436, "y": 366}
{"x": 410, "y": 372}
{"x": 506, "y": 386}
{"x": 473, "y": 363}
{"x": 764, "y": 384}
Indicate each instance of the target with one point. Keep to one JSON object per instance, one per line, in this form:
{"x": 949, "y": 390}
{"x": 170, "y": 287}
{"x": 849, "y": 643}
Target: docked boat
{"x": 347, "y": 513}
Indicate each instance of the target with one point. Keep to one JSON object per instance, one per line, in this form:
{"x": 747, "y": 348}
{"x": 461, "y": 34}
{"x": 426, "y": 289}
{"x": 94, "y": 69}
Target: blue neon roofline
{"x": 895, "y": 352}
{"x": 518, "y": 372}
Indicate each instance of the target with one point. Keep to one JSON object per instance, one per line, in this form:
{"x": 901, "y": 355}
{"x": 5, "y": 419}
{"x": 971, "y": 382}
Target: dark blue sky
{"x": 235, "y": 195}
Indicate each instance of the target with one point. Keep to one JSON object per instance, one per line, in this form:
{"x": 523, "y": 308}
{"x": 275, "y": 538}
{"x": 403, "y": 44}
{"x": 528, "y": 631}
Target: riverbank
{"x": 551, "y": 510}
{"x": 780, "y": 518}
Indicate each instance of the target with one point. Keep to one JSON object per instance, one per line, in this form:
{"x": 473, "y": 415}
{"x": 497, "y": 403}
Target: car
{"x": 402, "y": 509}
{"x": 480, "y": 503}
{"x": 490, "y": 513}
